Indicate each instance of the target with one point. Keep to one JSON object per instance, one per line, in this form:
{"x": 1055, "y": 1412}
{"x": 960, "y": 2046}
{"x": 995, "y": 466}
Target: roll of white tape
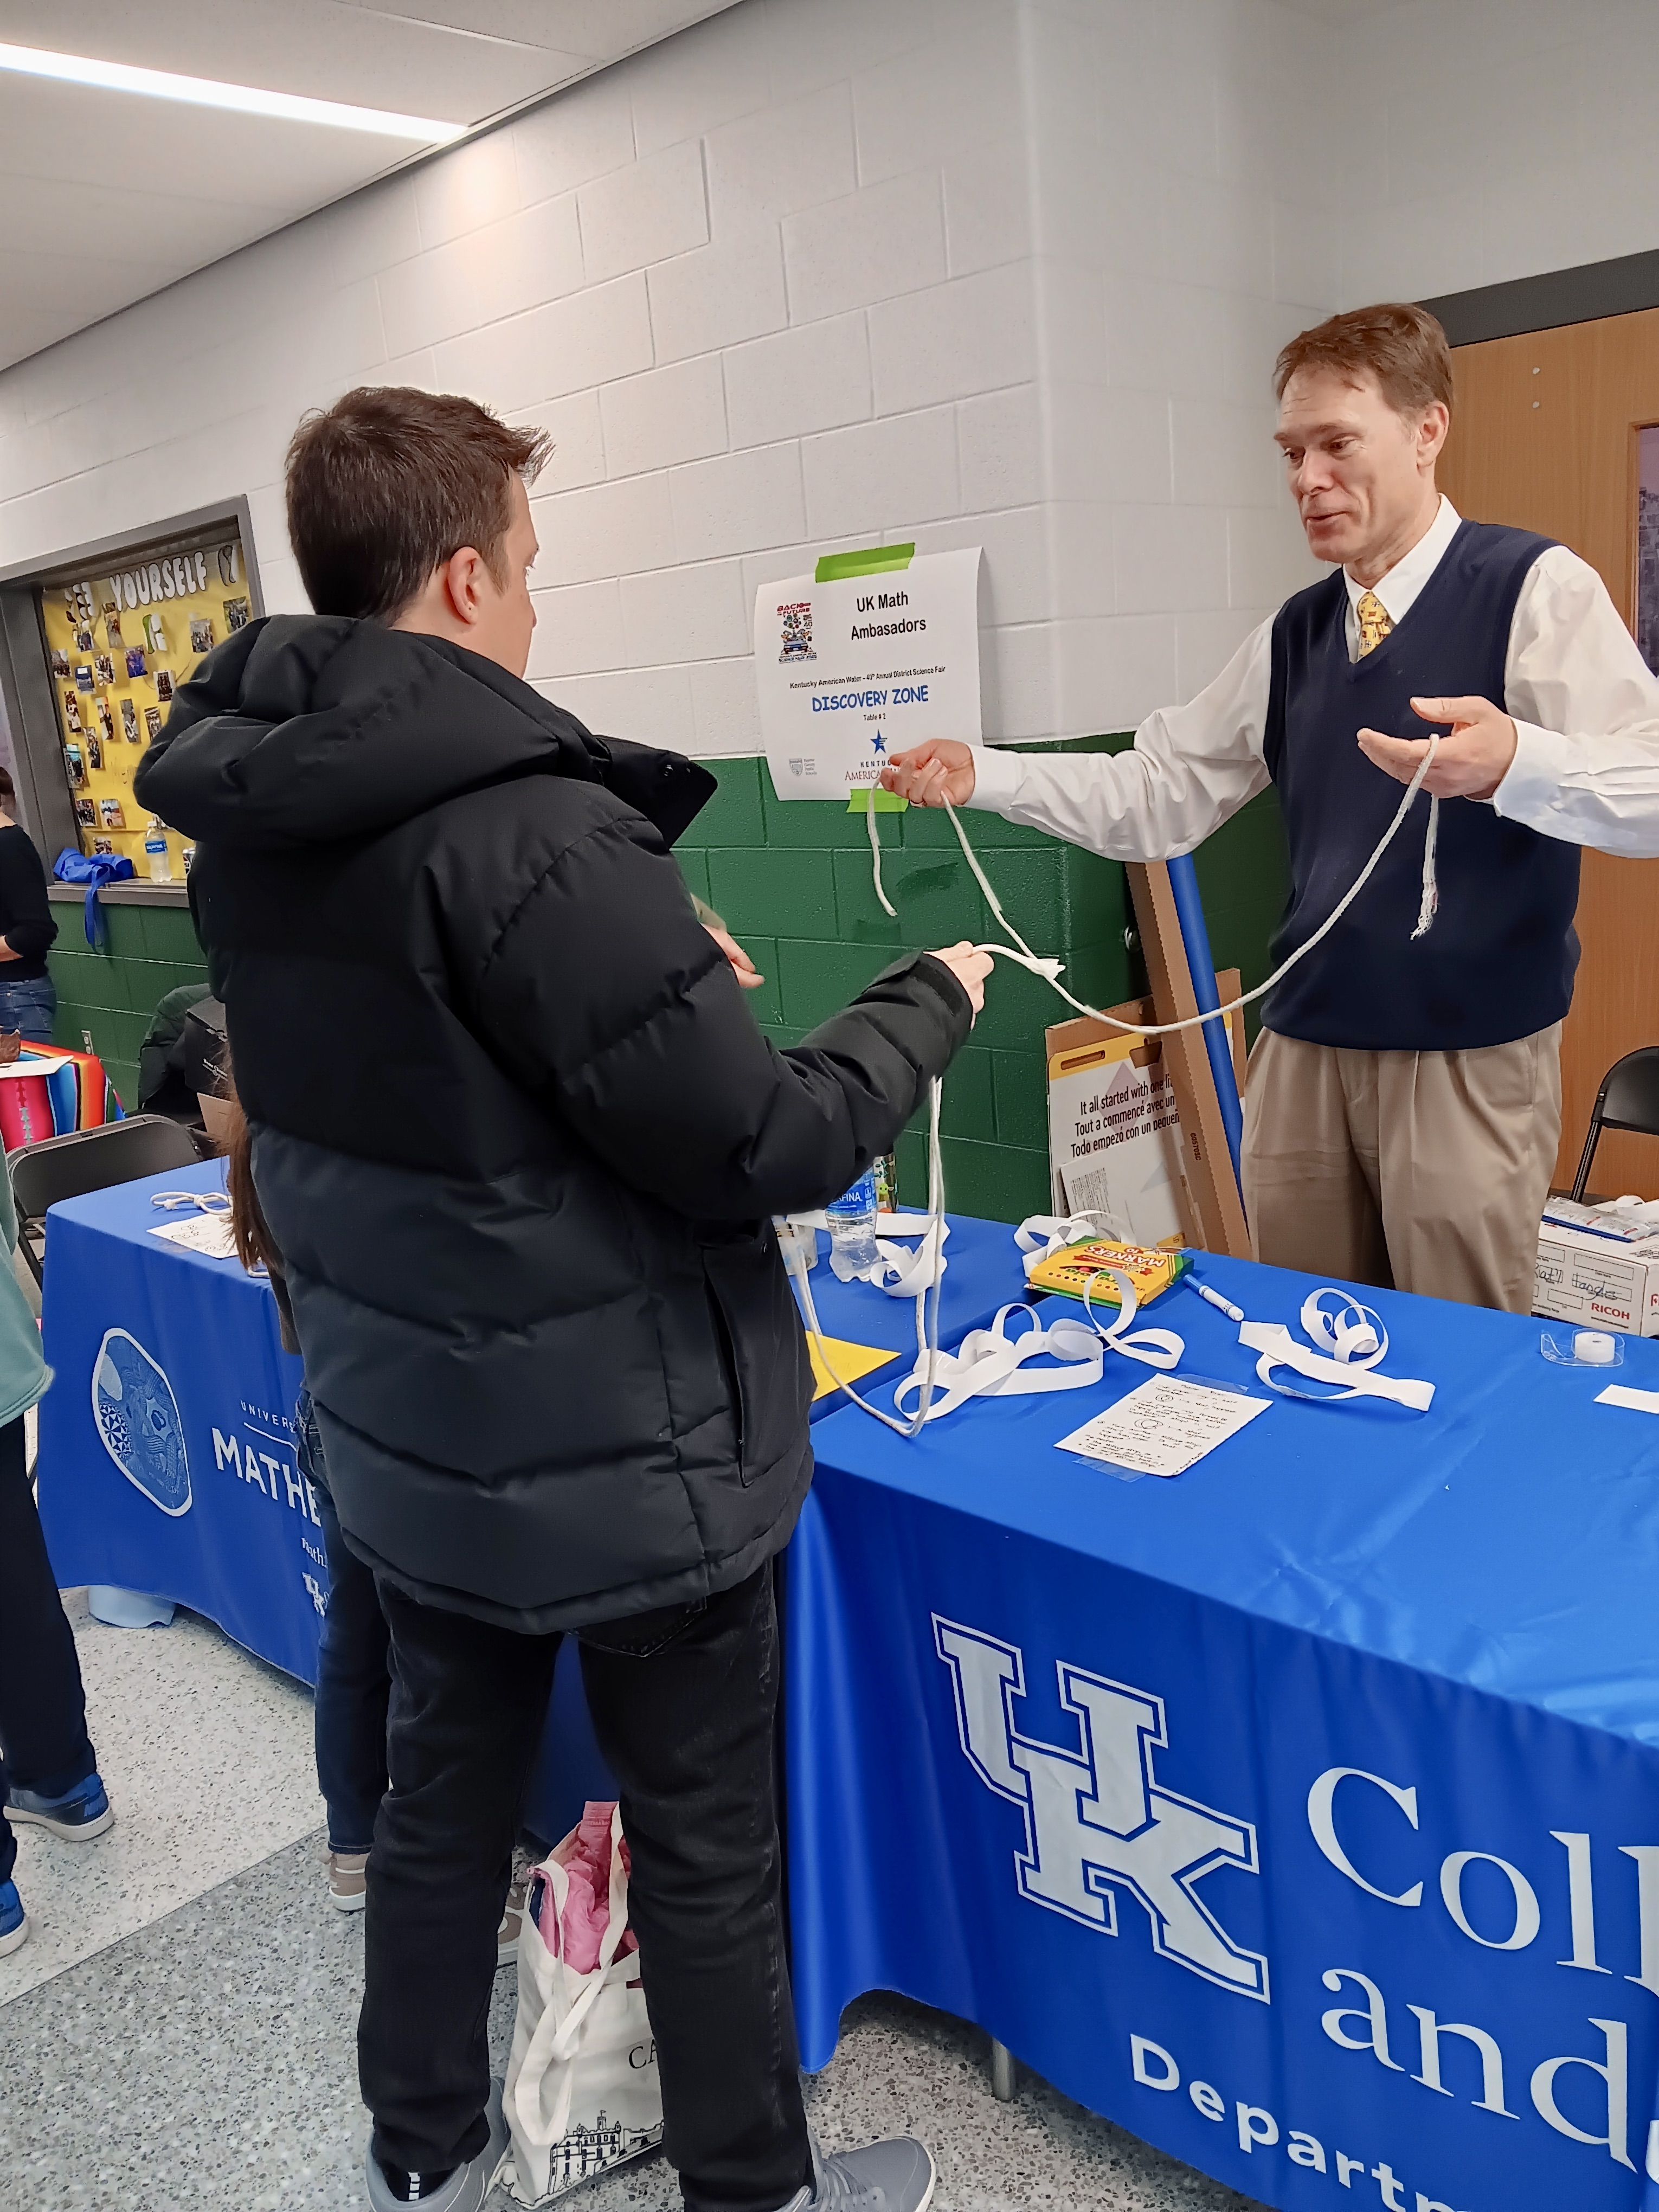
{"x": 1594, "y": 1347}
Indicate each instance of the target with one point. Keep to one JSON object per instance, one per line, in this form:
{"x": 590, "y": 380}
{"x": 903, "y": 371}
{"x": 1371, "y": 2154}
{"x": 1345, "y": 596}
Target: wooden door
{"x": 1543, "y": 435}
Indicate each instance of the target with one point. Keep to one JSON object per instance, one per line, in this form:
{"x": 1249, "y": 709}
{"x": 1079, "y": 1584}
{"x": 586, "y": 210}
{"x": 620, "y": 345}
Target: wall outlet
{"x": 86, "y": 1039}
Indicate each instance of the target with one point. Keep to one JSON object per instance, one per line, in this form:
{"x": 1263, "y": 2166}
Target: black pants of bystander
{"x": 684, "y": 1703}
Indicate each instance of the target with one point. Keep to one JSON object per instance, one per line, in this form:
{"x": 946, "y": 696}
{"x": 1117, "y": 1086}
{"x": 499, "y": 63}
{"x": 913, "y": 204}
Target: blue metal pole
{"x": 1189, "y": 911}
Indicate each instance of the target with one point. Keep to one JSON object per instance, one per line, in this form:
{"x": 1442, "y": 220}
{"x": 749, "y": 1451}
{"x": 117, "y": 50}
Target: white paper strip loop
{"x": 903, "y": 1272}
{"x": 1354, "y": 1378}
{"x": 1353, "y": 1333}
{"x": 990, "y": 1364}
{"x": 1040, "y": 1234}
{"x": 1153, "y": 1347}
{"x": 900, "y": 1273}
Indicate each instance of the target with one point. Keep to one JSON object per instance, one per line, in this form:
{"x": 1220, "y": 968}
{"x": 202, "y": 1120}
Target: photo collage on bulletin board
{"x": 118, "y": 645}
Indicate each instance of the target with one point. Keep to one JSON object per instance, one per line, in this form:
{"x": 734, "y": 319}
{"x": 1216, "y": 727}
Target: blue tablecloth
{"x": 984, "y": 1270}
{"x": 1302, "y": 1812}
{"x": 204, "y": 1504}
{"x": 227, "y": 1529}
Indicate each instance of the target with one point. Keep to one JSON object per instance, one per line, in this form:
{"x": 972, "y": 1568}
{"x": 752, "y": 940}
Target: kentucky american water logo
{"x": 138, "y": 1419}
{"x": 1098, "y": 1822}
{"x": 796, "y": 637}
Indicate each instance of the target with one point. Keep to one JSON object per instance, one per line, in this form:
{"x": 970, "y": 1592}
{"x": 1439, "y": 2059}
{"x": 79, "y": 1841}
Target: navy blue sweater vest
{"x": 1499, "y": 961}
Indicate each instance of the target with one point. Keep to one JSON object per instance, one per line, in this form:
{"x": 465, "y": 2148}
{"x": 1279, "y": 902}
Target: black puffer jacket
{"x": 514, "y": 1130}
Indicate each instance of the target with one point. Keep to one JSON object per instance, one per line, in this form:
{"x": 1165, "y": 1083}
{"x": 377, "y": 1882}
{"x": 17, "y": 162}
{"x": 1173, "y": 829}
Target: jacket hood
{"x": 308, "y": 729}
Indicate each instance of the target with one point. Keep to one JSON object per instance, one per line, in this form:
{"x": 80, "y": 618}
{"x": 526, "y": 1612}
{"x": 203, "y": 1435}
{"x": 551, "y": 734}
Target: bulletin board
{"x": 119, "y": 640}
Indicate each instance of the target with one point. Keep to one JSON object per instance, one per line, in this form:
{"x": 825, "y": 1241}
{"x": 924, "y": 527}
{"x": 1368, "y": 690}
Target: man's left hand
{"x": 1470, "y": 762}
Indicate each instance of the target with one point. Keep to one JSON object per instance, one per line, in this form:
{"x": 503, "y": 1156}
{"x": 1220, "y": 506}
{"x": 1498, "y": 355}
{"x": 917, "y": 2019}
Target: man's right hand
{"x": 929, "y": 774}
{"x": 969, "y": 968}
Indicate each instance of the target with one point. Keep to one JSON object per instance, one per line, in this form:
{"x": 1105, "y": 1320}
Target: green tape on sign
{"x": 871, "y": 561}
{"x": 887, "y": 802}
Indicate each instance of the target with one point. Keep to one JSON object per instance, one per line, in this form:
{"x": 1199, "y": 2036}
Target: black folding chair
{"x": 1628, "y": 1099}
{"x": 88, "y": 1159}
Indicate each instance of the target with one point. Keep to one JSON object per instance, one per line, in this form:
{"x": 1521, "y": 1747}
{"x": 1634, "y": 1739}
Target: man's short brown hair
{"x": 1400, "y": 345}
{"x": 388, "y": 482}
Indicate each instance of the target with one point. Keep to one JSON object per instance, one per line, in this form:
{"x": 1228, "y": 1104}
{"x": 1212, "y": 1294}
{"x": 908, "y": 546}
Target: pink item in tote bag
{"x": 582, "y": 2092}
{"x": 585, "y": 1854}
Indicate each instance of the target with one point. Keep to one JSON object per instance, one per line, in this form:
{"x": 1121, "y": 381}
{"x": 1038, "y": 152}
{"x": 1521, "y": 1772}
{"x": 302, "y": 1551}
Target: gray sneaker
{"x": 896, "y": 2176}
{"x": 466, "y": 2188}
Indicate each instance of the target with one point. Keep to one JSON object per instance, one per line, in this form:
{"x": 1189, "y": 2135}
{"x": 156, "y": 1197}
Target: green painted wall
{"x": 793, "y": 884}
{"x": 110, "y": 996}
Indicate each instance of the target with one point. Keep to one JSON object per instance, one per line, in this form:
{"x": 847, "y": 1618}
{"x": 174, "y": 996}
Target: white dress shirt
{"x": 1585, "y": 706}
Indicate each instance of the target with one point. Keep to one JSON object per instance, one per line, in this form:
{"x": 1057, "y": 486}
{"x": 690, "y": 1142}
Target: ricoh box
{"x": 1598, "y": 1283}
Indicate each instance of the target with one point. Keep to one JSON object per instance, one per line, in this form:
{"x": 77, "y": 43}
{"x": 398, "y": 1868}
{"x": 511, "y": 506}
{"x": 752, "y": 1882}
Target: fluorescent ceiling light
{"x": 243, "y": 99}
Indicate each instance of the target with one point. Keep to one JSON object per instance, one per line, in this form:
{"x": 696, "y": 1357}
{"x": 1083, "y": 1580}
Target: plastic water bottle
{"x": 852, "y": 1220}
{"x": 157, "y": 858}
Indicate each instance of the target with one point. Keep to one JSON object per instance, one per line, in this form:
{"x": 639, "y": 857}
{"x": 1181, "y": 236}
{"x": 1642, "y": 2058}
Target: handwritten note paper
{"x": 206, "y": 1233}
{"x": 1164, "y": 1426}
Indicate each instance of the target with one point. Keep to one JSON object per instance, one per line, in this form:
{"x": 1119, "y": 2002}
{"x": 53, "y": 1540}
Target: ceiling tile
{"x": 110, "y": 196}
{"x": 62, "y": 133}
{"x": 56, "y": 285}
{"x": 601, "y": 29}
{"x": 323, "y": 49}
{"x": 50, "y": 215}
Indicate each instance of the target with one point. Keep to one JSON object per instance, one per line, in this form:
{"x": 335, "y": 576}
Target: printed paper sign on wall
{"x": 1114, "y": 1138}
{"x": 872, "y": 654}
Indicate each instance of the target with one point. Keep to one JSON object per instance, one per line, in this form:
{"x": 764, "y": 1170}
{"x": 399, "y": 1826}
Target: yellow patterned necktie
{"x": 1375, "y": 622}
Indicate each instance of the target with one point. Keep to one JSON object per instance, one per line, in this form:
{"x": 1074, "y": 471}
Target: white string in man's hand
{"x": 1470, "y": 762}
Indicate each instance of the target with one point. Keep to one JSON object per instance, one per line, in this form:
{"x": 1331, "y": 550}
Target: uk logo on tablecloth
{"x": 1097, "y": 1821}
{"x": 138, "y": 1419}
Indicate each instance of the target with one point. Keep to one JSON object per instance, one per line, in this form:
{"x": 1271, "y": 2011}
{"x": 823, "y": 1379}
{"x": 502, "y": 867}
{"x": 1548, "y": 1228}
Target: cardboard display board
{"x": 1114, "y": 1124}
{"x": 1206, "y": 1162}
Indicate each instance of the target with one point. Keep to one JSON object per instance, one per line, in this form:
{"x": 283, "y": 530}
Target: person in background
{"x": 48, "y": 1769}
{"x": 27, "y": 1000}
{"x": 1404, "y": 1102}
{"x": 519, "y": 1140}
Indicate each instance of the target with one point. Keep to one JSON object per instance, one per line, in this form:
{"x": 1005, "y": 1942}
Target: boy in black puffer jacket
{"x": 518, "y": 1139}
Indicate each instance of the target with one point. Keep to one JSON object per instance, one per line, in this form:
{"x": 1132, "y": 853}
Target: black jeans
{"x": 44, "y": 1744}
{"x": 353, "y": 1678}
{"x": 682, "y": 1703}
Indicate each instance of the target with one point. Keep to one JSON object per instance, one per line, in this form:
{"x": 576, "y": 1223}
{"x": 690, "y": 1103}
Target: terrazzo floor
{"x": 178, "y": 2033}
{"x": 206, "y": 1753}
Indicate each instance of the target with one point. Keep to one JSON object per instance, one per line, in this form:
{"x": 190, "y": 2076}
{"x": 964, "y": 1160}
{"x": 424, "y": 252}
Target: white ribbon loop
{"x": 1353, "y": 1333}
{"x": 1153, "y": 1347}
{"x": 899, "y": 1272}
{"x": 991, "y": 1364}
{"x": 1351, "y": 1378}
{"x": 906, "y": 1273}
{"x": 1040, "y": 1234}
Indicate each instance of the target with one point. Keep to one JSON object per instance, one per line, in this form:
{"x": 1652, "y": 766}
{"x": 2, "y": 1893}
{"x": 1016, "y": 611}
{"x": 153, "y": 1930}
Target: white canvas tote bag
{"x": 582, "y": 2090}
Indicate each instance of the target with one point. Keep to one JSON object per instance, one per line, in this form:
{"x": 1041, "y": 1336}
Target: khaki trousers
{"x": 1421, "y": 1171}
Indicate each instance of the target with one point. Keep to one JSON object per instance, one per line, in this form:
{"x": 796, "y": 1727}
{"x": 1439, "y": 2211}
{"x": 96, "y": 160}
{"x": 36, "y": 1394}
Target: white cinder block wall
{"x": 1492, "y": 139}
{"x": 1182, "y": 235}
{"x": 821, "y": 272}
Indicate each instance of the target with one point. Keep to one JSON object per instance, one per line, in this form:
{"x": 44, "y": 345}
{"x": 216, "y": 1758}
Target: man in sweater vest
{"x": 1404, "y": 1102}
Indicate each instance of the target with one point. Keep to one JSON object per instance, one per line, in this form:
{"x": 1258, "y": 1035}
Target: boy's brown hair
{"x": 386, "y": 484}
